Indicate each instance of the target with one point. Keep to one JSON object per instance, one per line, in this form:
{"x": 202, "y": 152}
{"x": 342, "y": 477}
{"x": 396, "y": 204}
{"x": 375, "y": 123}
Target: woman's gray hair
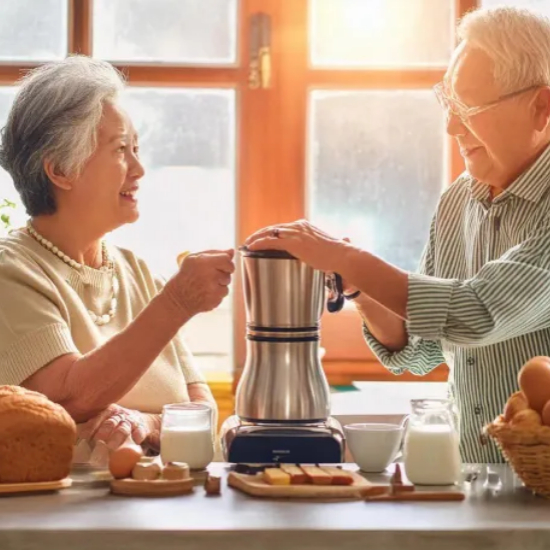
{"x": 516, "y": 39}
{"x": 55, "y": 117}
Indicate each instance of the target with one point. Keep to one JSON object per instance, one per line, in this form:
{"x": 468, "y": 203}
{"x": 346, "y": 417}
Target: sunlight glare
{"x": 366, "y": 16}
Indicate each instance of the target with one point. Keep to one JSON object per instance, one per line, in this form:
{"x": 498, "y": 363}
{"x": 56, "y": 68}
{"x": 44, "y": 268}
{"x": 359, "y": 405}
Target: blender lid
{"x": 271, "y": 254}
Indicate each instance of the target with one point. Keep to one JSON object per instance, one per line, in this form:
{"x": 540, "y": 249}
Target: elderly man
{"x": 481, "y": 301}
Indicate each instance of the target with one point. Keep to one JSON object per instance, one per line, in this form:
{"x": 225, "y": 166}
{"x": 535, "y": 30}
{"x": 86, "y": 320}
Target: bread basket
{"x": 526, "y": 447}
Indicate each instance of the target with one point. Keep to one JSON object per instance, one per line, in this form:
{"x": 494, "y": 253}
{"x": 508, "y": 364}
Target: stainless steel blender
{"x": 283, "y": 398}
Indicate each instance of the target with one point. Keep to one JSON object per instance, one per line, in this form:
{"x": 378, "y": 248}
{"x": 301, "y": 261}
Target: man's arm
{"x": 508, "y": 297}
{"x": 386, "y": 327}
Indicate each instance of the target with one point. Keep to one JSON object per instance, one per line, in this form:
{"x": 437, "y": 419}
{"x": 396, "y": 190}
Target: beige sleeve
{"x": 33, "y": 329}
{"x": 191, "y": 371}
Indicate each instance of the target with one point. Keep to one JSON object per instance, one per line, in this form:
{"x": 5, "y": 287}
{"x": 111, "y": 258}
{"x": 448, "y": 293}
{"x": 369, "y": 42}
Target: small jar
{"x": 186, "y": 435}
{"x": 431, "y": 451}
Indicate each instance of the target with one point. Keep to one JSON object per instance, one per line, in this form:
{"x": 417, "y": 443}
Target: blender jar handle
{"x": 405, "y": 425}
{"x": 335, "y": 301}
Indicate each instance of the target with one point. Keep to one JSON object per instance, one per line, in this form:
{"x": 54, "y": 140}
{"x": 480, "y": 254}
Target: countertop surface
{"x": 382, "y": 401}
{"x": 497, "y": 513}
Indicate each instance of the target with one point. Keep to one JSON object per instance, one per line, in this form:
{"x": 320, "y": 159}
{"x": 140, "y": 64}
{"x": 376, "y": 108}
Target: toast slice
{"x": 339, "y": 476}
{"x": 297, "y": 475}
{"x": 316, "y": 475}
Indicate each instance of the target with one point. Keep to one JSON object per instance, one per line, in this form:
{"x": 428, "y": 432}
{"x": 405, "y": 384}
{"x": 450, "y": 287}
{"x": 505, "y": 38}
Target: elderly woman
{"x": 85, "y": 323}
{"x": 481, "y": 301}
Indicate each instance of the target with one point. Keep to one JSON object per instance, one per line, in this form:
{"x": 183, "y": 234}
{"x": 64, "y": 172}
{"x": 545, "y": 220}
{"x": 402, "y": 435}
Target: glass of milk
{"x": 431, "y": 453}
{"x": 186, "y": 435}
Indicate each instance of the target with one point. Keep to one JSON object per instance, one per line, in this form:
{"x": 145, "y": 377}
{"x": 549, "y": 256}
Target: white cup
{"x": 374, "y": 446}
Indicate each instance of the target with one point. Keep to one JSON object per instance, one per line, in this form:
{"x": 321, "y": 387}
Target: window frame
{"x": 347, "y": 356}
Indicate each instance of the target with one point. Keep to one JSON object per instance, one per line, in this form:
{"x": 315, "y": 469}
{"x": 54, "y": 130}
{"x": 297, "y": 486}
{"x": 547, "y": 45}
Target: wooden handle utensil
{"x": 414, "y": 496}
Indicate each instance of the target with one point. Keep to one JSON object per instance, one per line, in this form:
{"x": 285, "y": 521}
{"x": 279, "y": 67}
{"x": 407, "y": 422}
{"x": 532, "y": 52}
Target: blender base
{"x": 250, "y": 443}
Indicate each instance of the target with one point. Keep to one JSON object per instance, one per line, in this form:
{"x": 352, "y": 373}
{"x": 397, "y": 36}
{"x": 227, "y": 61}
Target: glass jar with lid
{"x": 431, "y": 450}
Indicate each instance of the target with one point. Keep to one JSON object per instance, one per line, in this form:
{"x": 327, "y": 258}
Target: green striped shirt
{"x": 481, "y": 299}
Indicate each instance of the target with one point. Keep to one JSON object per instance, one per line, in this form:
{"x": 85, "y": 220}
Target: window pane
{"x": 362, "y": 33}
{"x": 177, "y": 31}
{"x": 33, "y": 30}
{"x": 7, "y": 190}
{"x": 187, "y": 197}
{"x": 376, "y": 168}
{"x": 540, "y": 5}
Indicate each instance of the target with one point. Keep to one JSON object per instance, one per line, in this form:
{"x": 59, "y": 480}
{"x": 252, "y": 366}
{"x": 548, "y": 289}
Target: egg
{"x": 517, "y": 402}
{"x": 123, "y": 460}
{"x": 546, "y": 414}
{"x": 534, "y": 381}
{"x": 527, "y": 419}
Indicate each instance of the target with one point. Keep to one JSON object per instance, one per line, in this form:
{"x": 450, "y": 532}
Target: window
{"x": 380, "y": 33}
{"x": 379, "y": 156}
{"x": 344, "y": 130}
{"x": 33, "y": 30}
{"x": 166, "y": 31}
{"x": 7, "y": 191}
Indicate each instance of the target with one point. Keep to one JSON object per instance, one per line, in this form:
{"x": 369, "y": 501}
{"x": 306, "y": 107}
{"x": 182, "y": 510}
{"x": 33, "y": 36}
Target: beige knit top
{"x": 44, "y": 307}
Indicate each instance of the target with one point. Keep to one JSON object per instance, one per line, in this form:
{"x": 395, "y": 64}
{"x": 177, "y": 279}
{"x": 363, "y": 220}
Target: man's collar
{"x": 530, "y": 185}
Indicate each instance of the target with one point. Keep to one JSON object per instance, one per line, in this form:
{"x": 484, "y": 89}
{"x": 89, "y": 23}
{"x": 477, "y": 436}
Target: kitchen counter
{"x": 498, "y": 513}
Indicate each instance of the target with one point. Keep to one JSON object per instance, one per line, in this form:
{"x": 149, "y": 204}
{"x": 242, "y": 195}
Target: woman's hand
{"x": 114, "y": 426}
{"x": 304, "y": 241}
{"x": 153, "y": 424}
{"x": 202, "y": 281}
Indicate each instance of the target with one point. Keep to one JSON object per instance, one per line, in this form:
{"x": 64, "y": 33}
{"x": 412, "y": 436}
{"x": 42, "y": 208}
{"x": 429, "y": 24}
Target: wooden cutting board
{"x": 37, "y": 487}
{"x": 156, "y": 488}
{"x": 254, "y": 485}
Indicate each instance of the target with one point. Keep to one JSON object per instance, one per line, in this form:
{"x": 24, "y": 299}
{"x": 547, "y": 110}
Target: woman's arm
{"x": 110, "y": 371}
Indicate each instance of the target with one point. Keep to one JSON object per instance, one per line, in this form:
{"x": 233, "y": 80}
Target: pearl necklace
{"x": 106, "y": 264}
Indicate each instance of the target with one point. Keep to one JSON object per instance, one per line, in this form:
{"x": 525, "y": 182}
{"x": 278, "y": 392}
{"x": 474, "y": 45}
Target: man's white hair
{"x": 516, "y": 39}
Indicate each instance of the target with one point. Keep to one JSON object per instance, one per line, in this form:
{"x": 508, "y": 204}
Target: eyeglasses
{"x": 455, "y": 107}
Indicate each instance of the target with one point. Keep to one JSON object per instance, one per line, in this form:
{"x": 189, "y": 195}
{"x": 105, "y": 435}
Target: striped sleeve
{"x": 420, "y": 355}
{"x": 509, "y": 297}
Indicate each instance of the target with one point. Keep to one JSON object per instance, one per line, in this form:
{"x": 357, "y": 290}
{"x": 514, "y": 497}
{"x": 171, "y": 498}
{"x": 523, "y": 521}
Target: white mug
{"x": 374, "y": 446}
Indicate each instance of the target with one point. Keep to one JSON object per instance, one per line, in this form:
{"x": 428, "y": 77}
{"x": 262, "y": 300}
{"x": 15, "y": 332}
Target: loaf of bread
{"x": 37, "y": 437}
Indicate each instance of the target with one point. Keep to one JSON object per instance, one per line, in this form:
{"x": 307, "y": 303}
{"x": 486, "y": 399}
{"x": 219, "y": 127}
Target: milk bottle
{"x": 431, "y": 450}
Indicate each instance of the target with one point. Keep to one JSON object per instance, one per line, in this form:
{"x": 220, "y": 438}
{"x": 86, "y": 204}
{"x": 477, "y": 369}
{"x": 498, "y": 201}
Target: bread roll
{"x": 36, "y": 437}
{"x": 146, "y": 472}
{"x": 175, "y": 471}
